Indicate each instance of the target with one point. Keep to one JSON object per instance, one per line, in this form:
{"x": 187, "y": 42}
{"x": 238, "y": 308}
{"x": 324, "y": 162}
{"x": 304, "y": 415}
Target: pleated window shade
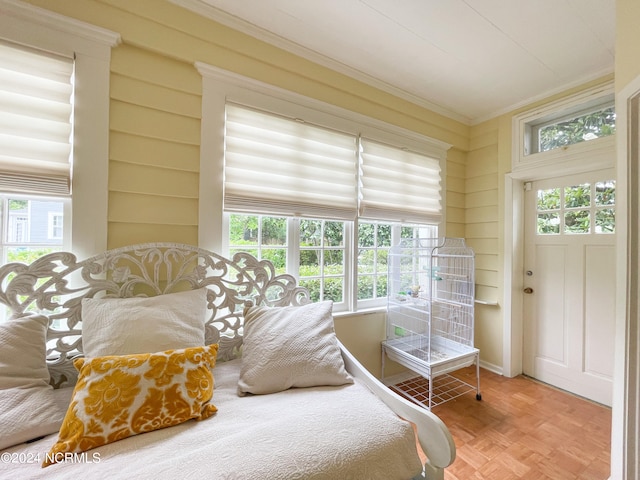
{"x": 35, "y": 121}
{"x": 398, "y": 185}
{"x": 277, "y": 165}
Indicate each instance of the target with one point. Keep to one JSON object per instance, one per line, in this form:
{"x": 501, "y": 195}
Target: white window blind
{"x": 398, "y": 185}
{"x": 277, "y": 165}
{"x": 35, "y": 121}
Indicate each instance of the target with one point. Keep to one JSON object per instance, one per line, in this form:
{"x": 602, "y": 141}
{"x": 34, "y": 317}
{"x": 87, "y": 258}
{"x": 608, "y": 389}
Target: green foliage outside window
{"x": 248, "y": 232}
{"x": 577, "y": 209}
{"x": 18, "y": 204}
{"x": 374, "y": 240}
{"x": 321, "y": 252}
{"x": 27, "y": 255}
{"x": 579, "y": 129}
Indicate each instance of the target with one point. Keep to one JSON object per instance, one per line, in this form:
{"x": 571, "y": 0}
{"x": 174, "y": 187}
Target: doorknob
{"x": 528, "y": 290}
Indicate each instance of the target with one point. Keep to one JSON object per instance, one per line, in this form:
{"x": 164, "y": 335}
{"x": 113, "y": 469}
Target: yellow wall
{"x": 483, "y": 232}
{"x": 155, "y": 108}
{"x": 154, "y": 148}
{"x": 154, "y": 144}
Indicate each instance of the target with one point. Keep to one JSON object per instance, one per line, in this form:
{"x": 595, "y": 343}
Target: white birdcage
{"x": 430, "y": 314}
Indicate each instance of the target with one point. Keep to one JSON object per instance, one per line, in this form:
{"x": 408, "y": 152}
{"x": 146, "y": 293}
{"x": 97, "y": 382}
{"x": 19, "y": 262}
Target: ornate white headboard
{"x": 55, "y": 285}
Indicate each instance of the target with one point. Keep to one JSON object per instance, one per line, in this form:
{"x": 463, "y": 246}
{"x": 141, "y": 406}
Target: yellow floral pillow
{"x": 120, "y": 396}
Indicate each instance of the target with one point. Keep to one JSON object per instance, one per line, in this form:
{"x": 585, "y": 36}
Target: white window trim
{"x": 584, "y": 156}
{"x": 220, "y": 86}
{"x": 91, "y": 46}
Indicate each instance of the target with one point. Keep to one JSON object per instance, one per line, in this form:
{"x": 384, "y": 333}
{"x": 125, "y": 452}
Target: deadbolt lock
{"x": 528, "y": 290}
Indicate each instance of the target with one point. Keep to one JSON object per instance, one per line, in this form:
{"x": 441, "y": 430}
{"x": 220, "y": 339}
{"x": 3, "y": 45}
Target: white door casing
{"x": 623, "y": 154}
{"x": 569, "y": 316}
{"x": 625, "y": 447}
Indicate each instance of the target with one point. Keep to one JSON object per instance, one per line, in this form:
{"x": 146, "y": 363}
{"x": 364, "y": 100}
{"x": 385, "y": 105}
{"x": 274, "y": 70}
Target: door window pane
{"x": 548, "y": 223}
{"x": 577, "y": 196}
{"x": 606, "y": 220}
{"x": 578, "y": 221}
{"x": 585, "y": 208}
{"x": 606, "y": 193}
{"x": 549, "y": 199}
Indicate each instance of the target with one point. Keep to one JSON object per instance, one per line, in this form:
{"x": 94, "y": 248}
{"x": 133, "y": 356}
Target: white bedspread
{"x": 335, "y": 433}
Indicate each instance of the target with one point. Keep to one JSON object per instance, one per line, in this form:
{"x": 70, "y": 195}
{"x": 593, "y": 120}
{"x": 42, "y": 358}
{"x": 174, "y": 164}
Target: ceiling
{"x": 468, "y": 59}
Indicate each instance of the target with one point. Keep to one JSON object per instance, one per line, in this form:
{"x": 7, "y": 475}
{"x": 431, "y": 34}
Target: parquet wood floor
{"x": 523, "y": 429}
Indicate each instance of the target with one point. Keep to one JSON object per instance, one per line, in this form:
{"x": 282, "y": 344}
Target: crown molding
{"x": 545, "y": 95}
{"x": 200, "y": 7}
{"x": 61, "y": 23}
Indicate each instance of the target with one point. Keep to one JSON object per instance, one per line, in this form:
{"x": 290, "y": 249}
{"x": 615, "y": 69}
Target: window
{"x": 335, "y": 172}
{"x": 26, "y": 227}
{"x": 316, "y": 249}
{"x": 577, "y": 209}
{"x": 36, "y": 129}
{"x": 571, "y": 135}
{"x": 35, "y": 144}
{"x": 297, "y": 193}
{"x": 42, "y": 51}
{"x": 322, "y": 267}
{"x": 263, "y": 237}
{"x": 574, "y": 128}
{"x": 374, "y": 241}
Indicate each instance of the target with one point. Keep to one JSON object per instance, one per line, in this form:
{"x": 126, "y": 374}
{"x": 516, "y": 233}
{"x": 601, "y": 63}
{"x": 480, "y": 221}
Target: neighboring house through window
{"x": 36, "y": 137}
{"x": 53, "y": 137}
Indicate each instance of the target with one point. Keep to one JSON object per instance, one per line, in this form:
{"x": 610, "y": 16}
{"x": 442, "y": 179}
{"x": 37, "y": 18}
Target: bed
{"x": 162, "y": 361}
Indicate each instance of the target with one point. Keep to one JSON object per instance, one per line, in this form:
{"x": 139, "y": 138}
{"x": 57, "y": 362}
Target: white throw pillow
{"x": 288, "y": 347}
{"x": 28, "y": 413}
{"x": 28, "y": 406}
{"x": 23, "y": 352}
{"x": 124, "y": 326}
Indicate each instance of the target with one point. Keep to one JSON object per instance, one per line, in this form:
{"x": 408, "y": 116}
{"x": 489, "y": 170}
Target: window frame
{"x": 7, "y": 243}
{"x": 582, "y": 110}
{"x": 90, "y": 47}
{"x": 579, "y": 157}
{"x": 220, "y": 86}
{"x": 592, "y": 209}
{"x": 350, "y": 248}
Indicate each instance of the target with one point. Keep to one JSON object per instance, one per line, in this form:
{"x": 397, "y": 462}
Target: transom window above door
{"x": 574, "y": 134}
{"x": 577, "y": 209}
{"x": 572, "y": 128}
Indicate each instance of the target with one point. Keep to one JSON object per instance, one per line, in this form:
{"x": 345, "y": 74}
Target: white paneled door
{"x": 569, "y": 283}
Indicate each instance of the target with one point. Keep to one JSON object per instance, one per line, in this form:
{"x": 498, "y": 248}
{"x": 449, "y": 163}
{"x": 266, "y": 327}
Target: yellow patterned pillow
{"x": 120, "y": 396}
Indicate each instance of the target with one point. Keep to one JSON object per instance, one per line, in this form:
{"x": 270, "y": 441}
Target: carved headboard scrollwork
{"x": 55, "y": 284}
